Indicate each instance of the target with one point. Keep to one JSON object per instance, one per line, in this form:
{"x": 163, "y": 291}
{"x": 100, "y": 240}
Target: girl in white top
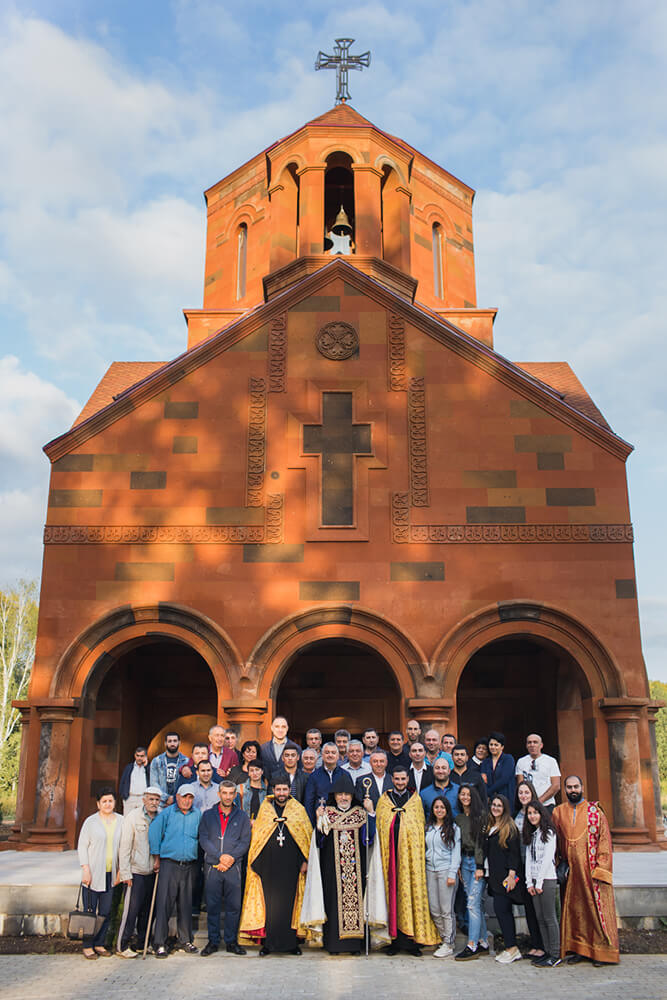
{"x": 539, "y": 836}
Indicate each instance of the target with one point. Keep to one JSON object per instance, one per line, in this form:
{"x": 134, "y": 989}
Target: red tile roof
{"x": 560, "y": 377}
{"x": 118, "y": 377}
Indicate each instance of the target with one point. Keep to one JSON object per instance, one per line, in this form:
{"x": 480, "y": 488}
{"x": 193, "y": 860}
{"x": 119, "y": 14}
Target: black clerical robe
{"x": 343, "y": 868}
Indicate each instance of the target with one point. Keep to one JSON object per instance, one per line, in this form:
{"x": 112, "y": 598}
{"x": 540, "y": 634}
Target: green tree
{"x": 659, "y": 693}
{"x": 18, "y": 632}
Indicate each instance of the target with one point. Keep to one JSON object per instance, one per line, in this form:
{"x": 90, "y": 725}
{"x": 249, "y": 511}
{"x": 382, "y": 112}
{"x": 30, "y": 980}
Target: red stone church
{"x": 339, "y": 504}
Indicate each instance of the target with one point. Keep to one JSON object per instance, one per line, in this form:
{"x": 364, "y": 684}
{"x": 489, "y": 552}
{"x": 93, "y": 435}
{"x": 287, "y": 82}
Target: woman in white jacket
{"x": 99, "y": 841}
{"x": 539, "y": 836}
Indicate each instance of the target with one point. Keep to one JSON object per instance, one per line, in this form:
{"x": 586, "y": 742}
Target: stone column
{"x": 405, "y": 196}
{"x": 283, "y": 224}
{"x": 245, "y": 716}
{"x": 367, "y": 210}
{"x": 311, "y": 215}
{"x": 48, "y": 832}
{"x": 17, "y": 829}
{"x": 431, "y": 713}
{"x": 622, "y": 716}
{"x": 652, "y": 710}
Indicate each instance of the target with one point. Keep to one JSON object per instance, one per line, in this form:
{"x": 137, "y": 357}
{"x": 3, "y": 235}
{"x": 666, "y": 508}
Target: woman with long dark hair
{"x": 539, "y": 836}
{"x": 525, "y": 794}
{"x": 251, "y": 750}
{"x": 503, "y": 857}
{"x": 443, "y": 857}
{"x": 470, "y": 819}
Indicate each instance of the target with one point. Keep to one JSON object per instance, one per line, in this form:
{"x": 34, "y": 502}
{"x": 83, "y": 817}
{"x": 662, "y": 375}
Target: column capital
{"x": 623, "y": 709}
{"x": 366, "y": 168}
{"x": 403, "y": 190}
{"x": 310, "y": 167}
{"x": 653, "y": 708}
{"x": 58, "y": 710}
{"x": 436, "y": 711}
{"x": 241, "y": 710}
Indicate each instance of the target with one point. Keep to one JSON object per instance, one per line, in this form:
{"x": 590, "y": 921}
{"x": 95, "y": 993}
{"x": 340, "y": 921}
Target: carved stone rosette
{"x": 337, "y": 341}
{"x": 419, "y": 493}
{"x": 256, "y": 442}
{"x": 277, "y": 362}
{"x": 397, "y": 377}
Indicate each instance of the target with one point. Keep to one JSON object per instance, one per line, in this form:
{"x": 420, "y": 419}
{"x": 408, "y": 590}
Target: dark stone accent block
{"x": 490, "y": 478}
{"x": 105, "y": 736}
{"x": 549, "y": 461}
{"x": 590, "y": 732}
{"x": 496, "y": 515}
{"x": 185, "y": 445}
{"x": 270, "y": 553}
{"x": 542, "y": 442}
{"x": 575, "y": 496}
{"x": 519, "y": 612}
{"x": 181, "y": 411}
{"x": 257, "y": 342}
{"x": 626, "y": 588}
{"x": 329, "y": 590}
{"x": 74, "y": 463}
{"x": 122, "y": 617}
{"x": 148, "y": 480}
{"x": 144, "y": 571}
{"x": 351, "y": 290}
{"x": 524, "y": 408}
{"x": 318, "y": 303}
{"x": 75, "y": 498}
{"x": 235, "y": 515}
{"x": 420, "y": 241}
{"x": 417, "y": 571}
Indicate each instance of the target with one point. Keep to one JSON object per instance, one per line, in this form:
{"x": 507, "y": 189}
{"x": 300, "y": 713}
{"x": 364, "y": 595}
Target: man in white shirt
{"x": 355, "y": 764}
{"x": 420, "y": 774}
{"x": 541, "y": 770}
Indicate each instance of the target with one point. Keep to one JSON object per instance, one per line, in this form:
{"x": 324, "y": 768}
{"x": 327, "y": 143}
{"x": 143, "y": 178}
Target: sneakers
{"x": 482, "y": 950}
{"x": 127, "y": 953}
{"x": 467, "y": 954}
{"x": 549, "y": 963}
{"x": 507, "y": 956}
{"x": 444, "y": 951}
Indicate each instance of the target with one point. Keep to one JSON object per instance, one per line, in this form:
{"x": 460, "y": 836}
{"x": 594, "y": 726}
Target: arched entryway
{"x": 524, "y": 684}
{"x": 336, "y": 683}
{"x": 151, "y": 687}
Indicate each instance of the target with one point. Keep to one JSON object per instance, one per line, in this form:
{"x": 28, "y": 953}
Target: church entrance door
{"x": 338, "y": 684}
{"x": 152, "y": 687}
{"x": 522, "y": 685}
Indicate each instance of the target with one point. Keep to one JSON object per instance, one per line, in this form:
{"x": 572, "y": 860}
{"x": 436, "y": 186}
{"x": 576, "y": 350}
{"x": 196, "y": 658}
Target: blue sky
{"x": 118, "y": 115}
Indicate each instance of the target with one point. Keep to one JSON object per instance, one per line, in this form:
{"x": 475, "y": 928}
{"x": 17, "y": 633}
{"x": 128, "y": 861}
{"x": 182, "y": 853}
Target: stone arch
{"x": 433, "y": 213}
{"x": 274, "y": 652}
{"x": 383, "y": 160}
{"x": 247, "y": 214}
{"x": 340, "y": 147}
{"x": 88, "y": 658}
{"x": 528, "y": 619}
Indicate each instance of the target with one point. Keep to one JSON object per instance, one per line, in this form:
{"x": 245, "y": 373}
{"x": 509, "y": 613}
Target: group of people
{"x": 347, "y": 845}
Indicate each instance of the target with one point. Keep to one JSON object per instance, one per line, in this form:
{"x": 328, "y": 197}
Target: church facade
{"x": 339, "y": 504}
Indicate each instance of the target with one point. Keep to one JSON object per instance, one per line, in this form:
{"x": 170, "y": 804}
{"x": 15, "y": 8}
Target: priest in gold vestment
{"x": 588, "y": 924}
{"x": 400, "y": 832}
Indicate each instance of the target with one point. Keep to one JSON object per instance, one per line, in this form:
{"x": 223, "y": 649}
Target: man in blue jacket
{"x": 173, "y": 837}
{"x": 224, "y": 835}
{"x": 322, "y": 780}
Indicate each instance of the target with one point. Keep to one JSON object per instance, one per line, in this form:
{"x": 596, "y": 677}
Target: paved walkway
{"x": 33, "y": 977}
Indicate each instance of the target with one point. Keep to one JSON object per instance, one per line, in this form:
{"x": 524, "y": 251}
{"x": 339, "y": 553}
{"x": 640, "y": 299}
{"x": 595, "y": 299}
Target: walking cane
{"x": 150, "y": 915}
{"x": 367, "y": 782}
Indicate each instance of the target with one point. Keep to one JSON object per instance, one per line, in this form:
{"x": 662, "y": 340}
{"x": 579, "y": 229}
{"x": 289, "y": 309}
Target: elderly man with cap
{"x": 174, "y": 838}
{"x": 136, "y": 868}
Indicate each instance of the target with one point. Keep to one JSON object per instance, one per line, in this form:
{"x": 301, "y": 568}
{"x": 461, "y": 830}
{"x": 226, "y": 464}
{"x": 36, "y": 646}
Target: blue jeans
{"x": 474, "y": 890}
{"x": 99, "y": 903}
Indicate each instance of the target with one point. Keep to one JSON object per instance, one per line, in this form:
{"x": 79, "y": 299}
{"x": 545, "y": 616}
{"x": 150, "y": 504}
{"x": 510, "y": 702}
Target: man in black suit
{"x": 380, "y": 779}
{"x": 272, "y": 750}
{"x": 420, "y": 775}
{"x": 397, "y": 752}
{"x": 465, "y": 773}
{"x": 290, "y": 767}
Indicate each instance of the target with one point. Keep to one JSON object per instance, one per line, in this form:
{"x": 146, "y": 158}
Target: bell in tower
{"x": 339, "y": 238}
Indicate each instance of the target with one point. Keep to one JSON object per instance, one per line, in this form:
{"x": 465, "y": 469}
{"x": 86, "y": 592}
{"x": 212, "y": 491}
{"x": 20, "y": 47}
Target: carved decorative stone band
{"x": 196, "y": 534}
{"x": 419, "y": 495}
{"x": 256, "y": 442}
{"x": 277, "y": 363}
{"x": 337, "y": 341}
{"x": 396, "y": 353}
{"x": 452, "y": 534}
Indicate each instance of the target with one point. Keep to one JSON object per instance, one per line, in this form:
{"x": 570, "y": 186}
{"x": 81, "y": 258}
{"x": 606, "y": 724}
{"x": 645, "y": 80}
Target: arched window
{"x": 241, "y": 260}
{"x": 339, "y": 203}
{"x": 438, "y": 275}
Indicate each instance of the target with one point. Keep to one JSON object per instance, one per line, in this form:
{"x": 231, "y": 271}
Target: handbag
{"x": 82, "y": 923}
{"x": 562, "y": 872}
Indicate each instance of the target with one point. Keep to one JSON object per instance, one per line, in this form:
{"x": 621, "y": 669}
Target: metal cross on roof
{"x": 342, "y": 61}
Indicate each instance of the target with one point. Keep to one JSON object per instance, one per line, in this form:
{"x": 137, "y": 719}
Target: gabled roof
{"x": 520, "y": 380}
{"x": 119, "y": 376}
{"x": 340, "y": 114}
